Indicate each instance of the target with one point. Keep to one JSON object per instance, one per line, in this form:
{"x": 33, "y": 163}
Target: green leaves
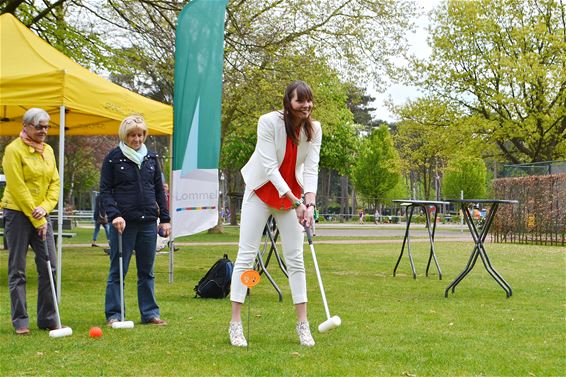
{"x": 377, "y": 169}
{"x": 466, "y": 174}
{"x": 504, "y": 60}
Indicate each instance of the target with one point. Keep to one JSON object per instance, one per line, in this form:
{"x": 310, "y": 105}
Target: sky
{"x": 397, "y": 93}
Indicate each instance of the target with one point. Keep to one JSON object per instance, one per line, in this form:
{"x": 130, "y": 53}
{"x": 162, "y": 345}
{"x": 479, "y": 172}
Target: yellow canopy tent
{"x": 34, "y": 74}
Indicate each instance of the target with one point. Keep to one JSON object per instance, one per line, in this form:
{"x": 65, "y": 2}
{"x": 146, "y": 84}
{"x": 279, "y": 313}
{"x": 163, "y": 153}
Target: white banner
{"x": 194, "y": 201}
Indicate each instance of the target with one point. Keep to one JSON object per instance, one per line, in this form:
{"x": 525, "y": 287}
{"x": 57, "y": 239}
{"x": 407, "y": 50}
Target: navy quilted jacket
{"x": 132, "y": 193}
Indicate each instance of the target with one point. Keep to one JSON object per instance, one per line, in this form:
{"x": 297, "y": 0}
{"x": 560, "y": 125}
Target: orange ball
{"x": 95, "y": 332}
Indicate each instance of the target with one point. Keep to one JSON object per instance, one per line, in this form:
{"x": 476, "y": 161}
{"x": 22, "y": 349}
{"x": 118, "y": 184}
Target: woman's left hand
{"x": 164, "y": 229}
{"x": 38, "y": 212}
{"x": 305, "y": 215}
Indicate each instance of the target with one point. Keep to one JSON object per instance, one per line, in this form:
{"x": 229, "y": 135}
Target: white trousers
{"x": 253, "y": 219}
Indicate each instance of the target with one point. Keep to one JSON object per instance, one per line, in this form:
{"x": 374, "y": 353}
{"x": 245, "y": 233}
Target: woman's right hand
{"x": 42, "y": 231}
{"x": 301, "y": 212}
{"x": 119, "y": 224}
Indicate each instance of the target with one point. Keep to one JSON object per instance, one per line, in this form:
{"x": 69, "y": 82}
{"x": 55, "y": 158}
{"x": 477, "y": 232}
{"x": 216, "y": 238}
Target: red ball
{"x": 95, "y": 332}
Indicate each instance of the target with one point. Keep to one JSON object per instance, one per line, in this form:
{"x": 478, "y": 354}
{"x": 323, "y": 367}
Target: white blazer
{"x": 263, "y": 165}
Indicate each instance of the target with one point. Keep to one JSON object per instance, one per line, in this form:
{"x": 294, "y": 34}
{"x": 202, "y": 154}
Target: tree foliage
{"x": 359, "y": 37}
{"x": 268, "y": 43}
{"x": 83, "y": 159}
{"x": 330, "y": 96}
{"x": 426, "y": 136}
{"x": 377, "y": 169}
{"x": 70, "y": 27}
{"x": 505, "y": 61}
{"x": 466, "y": 174}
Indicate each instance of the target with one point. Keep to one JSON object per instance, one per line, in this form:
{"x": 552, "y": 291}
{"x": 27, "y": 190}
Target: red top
{"x": 268, "y": 193}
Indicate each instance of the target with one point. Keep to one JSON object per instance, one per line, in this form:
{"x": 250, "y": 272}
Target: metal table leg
{"x": 479, "y": 239}
{"x": 407, "y": 241}
{"x": 260, "y": 266}
{"x": 431, "y": 239}
{"x": 273, "y": 248}
{"x": 479, "y": 250}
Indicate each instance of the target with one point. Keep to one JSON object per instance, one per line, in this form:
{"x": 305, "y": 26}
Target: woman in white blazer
{"x": 282, "y": 169}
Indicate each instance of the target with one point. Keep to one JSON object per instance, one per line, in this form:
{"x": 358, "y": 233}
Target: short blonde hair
{"x": 130, "y": 124}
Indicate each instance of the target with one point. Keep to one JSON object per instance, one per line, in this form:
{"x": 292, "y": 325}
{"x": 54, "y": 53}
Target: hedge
{"x": 540, "y": 216}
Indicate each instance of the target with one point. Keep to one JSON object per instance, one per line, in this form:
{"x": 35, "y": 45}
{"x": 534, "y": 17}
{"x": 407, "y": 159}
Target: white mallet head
{"x": 123, "y": 325}
{"x": 329, "y": 324}
{"x": 59, "y": 333}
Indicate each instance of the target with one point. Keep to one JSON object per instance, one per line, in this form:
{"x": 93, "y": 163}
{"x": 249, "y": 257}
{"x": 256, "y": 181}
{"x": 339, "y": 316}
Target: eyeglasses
{"x": 40, "y": 127}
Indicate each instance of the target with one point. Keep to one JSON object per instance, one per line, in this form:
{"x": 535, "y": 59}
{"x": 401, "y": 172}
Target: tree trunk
{"x": 324, "y": 192}
{"x": 413, "y": 193}
{"x": 354, "y": 203}
{"x": 343, "y": 197}
{"x": 233, "y": 209}
{"x": 218, "y": 228}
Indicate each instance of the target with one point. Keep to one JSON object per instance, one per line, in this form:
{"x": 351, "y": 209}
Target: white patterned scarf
{"x": 133, "y": 155}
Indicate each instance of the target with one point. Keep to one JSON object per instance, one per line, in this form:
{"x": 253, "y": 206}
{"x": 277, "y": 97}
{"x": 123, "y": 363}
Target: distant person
{"x": 100, "y": 219}
{"x": 167, "y": 195}
{"x": 361, "y": 214}
{"x": 32, "y": 191}
{"x": 283, "y": 166}
{"x": 476, "y": 214}
{"x": 133, "y": 197}
{"x": 376, "y": 216}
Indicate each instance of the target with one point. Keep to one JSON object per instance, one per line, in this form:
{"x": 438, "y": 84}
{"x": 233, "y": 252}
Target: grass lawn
{"x": 392, "y": 326}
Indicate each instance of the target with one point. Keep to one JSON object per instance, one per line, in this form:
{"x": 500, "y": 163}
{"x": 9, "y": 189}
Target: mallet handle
{"x": 121, "y": 278}
{"x": 309, "y": 238}
{"x": 52, "y": 283}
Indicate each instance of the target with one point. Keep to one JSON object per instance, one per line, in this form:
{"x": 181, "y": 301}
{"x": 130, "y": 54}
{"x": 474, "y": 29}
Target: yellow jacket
{"x": 31, "y": 180}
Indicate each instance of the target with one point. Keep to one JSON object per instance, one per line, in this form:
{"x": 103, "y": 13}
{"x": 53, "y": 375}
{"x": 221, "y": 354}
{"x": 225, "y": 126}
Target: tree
{"x": 81, "y": 170}
{"x": 503, "y": 60}
{"x": 357, "y": 38}
{"x": 262, "y": 94}
{"x": 68, "y": 25}
{"x": 466, "y": 174}
{"x": 377, "y": 170}
{"x": 428, "y": 133}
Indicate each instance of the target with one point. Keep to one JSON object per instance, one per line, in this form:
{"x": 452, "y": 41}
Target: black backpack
{"x": 216, "y": 282}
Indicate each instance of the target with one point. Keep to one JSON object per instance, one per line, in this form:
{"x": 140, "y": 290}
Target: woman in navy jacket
{"x": 133, "y": 197}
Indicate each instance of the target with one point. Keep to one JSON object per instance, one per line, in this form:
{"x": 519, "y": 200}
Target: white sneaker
{"x": 304, "y": 333}
{"x": 236, "y": 332}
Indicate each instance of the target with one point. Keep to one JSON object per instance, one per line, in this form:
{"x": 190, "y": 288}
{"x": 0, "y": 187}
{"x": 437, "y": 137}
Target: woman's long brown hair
{"x": 304, "y": 92}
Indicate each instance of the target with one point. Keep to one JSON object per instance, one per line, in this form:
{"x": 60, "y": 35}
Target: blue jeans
{"x": 97, "y": 226}
{"x": 142, "y": 238}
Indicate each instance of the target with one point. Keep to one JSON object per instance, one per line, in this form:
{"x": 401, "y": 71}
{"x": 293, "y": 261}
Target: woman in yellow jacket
{"x": 32, "y": 191}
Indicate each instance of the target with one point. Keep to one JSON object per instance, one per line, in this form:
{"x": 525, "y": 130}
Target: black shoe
{"x": 107, "y": 251}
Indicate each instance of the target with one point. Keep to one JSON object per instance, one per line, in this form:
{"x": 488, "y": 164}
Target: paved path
{"x": 384, "y": 233}
{"x": 390, "y": 230}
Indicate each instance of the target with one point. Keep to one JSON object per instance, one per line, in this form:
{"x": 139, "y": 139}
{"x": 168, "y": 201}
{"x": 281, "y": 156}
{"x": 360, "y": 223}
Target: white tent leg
{"x": 61, "y": 201}
{"x": 171, "y": 237}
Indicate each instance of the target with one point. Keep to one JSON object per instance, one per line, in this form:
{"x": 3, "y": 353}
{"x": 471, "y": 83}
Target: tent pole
{"x": 61, "y": 201}
{"x": 171, "y": 236}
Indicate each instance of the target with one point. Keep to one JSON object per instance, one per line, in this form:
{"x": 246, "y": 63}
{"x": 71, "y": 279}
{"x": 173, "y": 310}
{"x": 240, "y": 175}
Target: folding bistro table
{"x": 270, "y": 234}
{"x": 410, "y": 207}
{"x": 479, "y": 236}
